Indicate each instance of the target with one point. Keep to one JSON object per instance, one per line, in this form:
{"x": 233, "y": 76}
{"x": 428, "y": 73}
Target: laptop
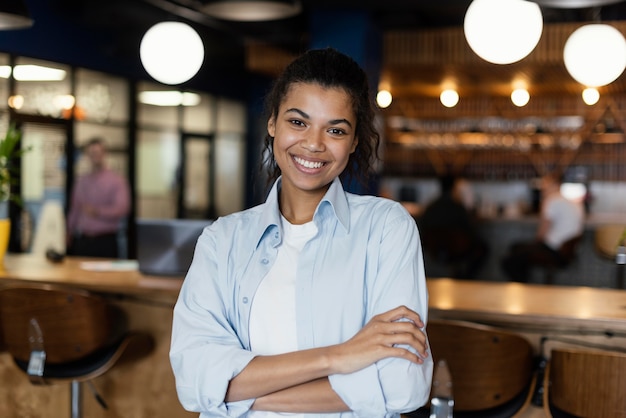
{"x": 165, "y": 247}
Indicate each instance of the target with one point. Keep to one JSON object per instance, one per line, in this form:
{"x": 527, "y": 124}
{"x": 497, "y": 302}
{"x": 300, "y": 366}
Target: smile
{"x": 308, "y": 164}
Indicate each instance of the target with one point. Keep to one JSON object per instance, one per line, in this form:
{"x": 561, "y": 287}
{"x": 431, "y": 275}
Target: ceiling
{"x": 292, "y": 32}
{"x": 129, "y": 19}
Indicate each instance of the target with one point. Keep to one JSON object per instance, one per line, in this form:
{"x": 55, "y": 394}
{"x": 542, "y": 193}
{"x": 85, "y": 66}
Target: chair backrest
{"x": 606, "y": 239}
{"x": 73, "y": 323}
{"x": 489, "y": 367}
{"x": 586, "y": 383}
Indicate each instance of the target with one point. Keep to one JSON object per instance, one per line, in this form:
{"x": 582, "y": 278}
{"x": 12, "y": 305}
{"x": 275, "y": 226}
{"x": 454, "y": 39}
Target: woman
{"x": 315, "y": 301}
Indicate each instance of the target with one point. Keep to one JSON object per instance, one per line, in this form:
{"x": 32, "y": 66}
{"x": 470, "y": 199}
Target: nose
{"x": 314, "y": 141}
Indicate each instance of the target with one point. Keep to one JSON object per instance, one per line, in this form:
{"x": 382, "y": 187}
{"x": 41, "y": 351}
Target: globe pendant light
{"x": 252, "y": 10}
{"x": 503, "y": 31}
{"x": 14, "y": 15}
{"x": 171, "y": 52}
{"x": 595, "y": 54}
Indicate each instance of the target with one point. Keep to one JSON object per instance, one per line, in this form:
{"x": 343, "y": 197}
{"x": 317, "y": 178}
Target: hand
{"x": 380, "y": 338}
{"x": 90, "y": 210}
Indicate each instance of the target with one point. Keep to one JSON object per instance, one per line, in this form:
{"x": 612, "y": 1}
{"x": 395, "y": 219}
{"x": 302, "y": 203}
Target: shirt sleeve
{"x": 205, "y": 351}
{"x": 392, "y": 385}
{"x": 119, "y": 206}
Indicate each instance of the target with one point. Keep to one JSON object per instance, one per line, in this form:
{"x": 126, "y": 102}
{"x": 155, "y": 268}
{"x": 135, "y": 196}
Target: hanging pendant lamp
{"x": 14, "y": 15}
{"x": 503, "y": 31}
{"x": 595, "y": 54}
{"x": 163, "y": 56}
{"x": 252, "y": 10}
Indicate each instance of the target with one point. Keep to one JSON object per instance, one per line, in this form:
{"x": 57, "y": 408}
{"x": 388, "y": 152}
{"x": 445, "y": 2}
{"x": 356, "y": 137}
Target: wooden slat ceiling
{"x": 417, "y": 64}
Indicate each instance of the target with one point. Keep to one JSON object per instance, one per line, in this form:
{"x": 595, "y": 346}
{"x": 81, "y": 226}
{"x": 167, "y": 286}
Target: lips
{"x": 307, "y": 163}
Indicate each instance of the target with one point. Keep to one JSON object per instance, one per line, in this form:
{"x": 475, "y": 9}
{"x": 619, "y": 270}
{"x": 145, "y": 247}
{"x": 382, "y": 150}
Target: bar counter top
{"x": 19, "y": 268}
{"x": 530, "y": 306}
{"x": 514, "y": 304}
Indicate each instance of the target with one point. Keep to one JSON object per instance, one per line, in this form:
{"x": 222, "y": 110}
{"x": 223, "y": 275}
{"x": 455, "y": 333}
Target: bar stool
{"x": 61, "y": 334}
{"x": 585, "y": 383}
{"x": 491, "y": 370}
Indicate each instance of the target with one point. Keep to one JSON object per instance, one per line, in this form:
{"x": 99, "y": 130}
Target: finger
{"x": 401, "y": 312}
{"x": 401, "y": 352}
{"x": 404, "y": 334}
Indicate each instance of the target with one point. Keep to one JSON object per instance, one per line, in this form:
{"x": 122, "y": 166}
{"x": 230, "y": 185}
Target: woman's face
{"x": 314, "y": 135}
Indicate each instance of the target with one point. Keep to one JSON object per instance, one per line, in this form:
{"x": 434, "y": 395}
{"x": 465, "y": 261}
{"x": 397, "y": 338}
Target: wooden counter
{"x": 530, "y": 306}
{"x": 146, "y": 388}
{"x": 26, "y": 267}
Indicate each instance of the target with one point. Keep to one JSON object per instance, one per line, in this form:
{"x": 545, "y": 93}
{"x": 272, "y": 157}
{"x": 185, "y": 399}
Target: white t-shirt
{"x": 566, "y": 220}
{"x": 273, "y": 328}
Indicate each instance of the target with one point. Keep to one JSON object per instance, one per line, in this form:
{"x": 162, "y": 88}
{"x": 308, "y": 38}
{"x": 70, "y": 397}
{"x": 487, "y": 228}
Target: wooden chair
{"x": 491, "y": 369}
{"x": 56, "y": 334}
{"x": 585, "y": 384}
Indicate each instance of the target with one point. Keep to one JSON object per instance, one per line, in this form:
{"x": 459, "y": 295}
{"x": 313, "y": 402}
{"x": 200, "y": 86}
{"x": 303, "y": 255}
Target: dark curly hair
{"x": 330, "y": 69}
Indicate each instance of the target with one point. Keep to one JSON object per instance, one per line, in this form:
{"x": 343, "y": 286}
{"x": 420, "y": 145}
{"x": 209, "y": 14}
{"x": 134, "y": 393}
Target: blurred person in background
{"x": 100, "y": 202}
{"x": 561, "y": 221}
{"x": 449, "y": 232}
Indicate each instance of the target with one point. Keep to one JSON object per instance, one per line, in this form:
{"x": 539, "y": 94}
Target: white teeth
{"x": 308, "y": 164}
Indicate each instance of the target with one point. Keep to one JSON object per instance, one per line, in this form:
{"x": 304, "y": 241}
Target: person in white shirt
{"x": 314, "y": 302}
{"x": 560, "y": 220}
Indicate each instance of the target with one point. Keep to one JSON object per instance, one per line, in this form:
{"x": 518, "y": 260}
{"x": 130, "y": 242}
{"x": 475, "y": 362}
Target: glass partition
{"x": 101, "y": 97}
{"x": 43, "y": 88}
{"x": 5, "y": 71}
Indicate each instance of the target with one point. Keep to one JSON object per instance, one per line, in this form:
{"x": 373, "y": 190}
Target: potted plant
{"x": 9, "y": 151}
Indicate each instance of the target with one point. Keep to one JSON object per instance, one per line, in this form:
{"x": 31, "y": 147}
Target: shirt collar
{"x": 335, "y": 200}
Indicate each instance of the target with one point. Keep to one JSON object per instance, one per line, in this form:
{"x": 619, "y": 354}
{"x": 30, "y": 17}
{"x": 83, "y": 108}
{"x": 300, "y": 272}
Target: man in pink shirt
{"x": 100, "y": 201}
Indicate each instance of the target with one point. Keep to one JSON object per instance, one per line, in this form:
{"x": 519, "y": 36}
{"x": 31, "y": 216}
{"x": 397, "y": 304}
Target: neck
{"x": 298, "y": 207}
{"x": 97, "y": 168}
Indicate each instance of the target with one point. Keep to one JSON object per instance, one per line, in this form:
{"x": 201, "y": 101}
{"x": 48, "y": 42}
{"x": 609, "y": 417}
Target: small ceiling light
{"x": 171, "y": 52}
{"x": 595, "y": 54}
{"x": 520, "y": 97}
{"x": 64, "y": 101}
{"x": 449, "y": 97}
{"x": 16, "y": 102}
{"x": 14, "y": 15}
{"x": 503, "y": 31}
{"x": 31, "y": 72}
{"x": 169, "y": 98}
{"x": 252, "y": 10}
{"x": 5, "y": 71}
{"x": 591, "y": 96}
{"x": 384, "y": 98}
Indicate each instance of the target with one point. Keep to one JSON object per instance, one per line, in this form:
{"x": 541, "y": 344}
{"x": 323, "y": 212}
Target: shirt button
{"x": 276, "y": 235}
{"x": 265, "y": 261}
{"x": 245, "y": 300}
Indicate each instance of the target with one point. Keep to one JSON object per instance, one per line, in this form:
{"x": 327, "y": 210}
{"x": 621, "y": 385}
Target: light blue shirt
{"x": 365, "y": 260}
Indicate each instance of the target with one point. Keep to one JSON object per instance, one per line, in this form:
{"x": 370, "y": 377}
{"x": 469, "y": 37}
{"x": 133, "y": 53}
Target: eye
{"x": 296, "y": 122}
{"x": 337, "y": 131}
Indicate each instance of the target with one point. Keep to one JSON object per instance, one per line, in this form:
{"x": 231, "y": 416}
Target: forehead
{"x": 310, "y": 95}
{"x": 95, "y": 147}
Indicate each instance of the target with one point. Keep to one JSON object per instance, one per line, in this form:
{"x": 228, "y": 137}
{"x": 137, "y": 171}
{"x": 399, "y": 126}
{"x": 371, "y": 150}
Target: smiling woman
{"x": 271, "y": 314}
{"x": 313, "y": 139}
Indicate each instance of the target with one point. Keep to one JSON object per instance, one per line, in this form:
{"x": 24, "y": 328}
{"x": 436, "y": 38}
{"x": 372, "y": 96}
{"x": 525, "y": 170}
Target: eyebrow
{"x": 306, "y": 116}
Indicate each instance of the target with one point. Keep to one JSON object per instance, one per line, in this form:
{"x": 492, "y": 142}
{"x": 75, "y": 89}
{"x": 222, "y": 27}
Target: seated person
{"x": 448, "y": 233}
{"x": 561, "y": 221}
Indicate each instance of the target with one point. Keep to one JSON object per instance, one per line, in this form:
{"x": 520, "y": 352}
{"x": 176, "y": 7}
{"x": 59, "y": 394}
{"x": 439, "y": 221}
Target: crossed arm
{"x": 298, "y": 381}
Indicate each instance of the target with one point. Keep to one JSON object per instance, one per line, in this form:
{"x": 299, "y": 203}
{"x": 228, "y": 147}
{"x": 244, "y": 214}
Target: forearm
{"x": 269, "y": 374}
{"x": 383, "y": 336}
{"x": 313, "y": 397}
